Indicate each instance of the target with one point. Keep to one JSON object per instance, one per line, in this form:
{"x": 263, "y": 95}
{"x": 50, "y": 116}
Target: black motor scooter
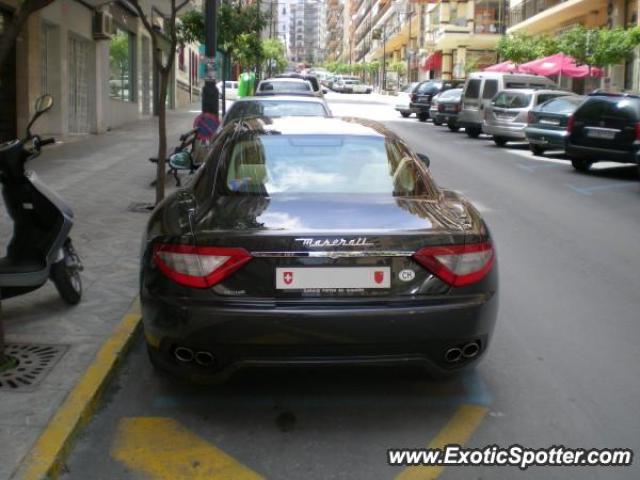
{"x": 40, "y": 247}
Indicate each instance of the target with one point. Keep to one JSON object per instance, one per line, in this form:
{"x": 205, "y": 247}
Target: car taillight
{"x": 196, "y": 266}
{"x": 458, "y": 265}
{"x": 457, "y": 107}
{"x": 637, "y": 131}
{"x": 414, "y": 97}
{"x": 531, "y": 117}
{"x": 441, "y": 108}
{"x": 570, "y": 123}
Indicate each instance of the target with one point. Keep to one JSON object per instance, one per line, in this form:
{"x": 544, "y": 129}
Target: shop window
{"x": 489, "y": 16}
{"x": 121, "y": 66}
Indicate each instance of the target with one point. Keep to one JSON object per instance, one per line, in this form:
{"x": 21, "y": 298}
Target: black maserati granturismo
{"x": 312, "y": 241}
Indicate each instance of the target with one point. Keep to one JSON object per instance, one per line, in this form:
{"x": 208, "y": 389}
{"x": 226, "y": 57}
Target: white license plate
{"x": 330, "y": 277}
{"x": 550, "y": 122}
{"x": 450, "y": 108}
{"x": 606, "y": 134}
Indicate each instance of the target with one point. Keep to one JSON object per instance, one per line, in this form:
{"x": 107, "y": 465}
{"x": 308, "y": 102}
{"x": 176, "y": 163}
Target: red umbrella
{"x": 561, "y": 65}
{"x": 505, "y": 67}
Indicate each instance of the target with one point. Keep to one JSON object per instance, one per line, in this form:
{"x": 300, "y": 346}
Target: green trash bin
{"x": 246, "y": 84}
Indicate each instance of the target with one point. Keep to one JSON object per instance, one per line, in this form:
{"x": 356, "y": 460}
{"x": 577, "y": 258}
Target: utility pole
{"x": 210, "y": 100}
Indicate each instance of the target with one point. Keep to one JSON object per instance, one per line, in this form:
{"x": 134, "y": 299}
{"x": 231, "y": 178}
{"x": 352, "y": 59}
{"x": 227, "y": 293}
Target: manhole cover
{"x": 140, "y": 207}
{"x": 34, "y": 362}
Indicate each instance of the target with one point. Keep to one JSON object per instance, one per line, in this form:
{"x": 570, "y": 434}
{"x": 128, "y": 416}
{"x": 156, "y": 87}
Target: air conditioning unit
{"x": 103, "y": 26}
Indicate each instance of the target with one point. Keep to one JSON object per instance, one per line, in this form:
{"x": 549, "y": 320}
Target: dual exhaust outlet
{"x": 187, "y": 355}
{"x": 467, "y": 351}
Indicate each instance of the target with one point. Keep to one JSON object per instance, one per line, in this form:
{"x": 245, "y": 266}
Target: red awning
{"x": 432, "y": 62}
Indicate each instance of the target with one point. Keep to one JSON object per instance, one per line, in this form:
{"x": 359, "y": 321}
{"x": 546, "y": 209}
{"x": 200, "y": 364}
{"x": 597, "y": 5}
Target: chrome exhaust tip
{"x": 453, "y": 355}
{"x": 205, "y": 358}
{"x": 183, "y": 354}
{"x": 470, "y": 350}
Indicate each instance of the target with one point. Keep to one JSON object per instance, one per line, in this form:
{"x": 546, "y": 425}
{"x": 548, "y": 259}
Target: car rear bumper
{"x": 515, "y": 132}
{"x": 445, "y": 117}
{"x": 421, "y": 107}
{"x": 602, "y": 154}
{"x": 267, "y": 335}
{"x": 406, "y": 109}
{"x": 546, "y": 138}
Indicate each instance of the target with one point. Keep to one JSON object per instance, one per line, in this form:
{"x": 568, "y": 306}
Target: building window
{"x": 489, "y": 15}
{"x": 121, "y": 66}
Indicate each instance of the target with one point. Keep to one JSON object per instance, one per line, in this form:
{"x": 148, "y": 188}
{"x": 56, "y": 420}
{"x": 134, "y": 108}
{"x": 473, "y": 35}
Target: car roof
{"x": 284, "y": 80}
{"x": 315, "y": 126}
{"x": 535, "y": 91}
{"x": 282, "y": 97}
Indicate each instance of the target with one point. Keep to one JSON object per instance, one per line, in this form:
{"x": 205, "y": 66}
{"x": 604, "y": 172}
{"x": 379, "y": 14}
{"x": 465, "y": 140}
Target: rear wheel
{"x": 437, "y": 122}
{"x": 405, "y": 114}
{"x": 423, "y": 116}
{"x": 452, "y": 127}
{"x": 581, "y": 164}
{"x": 536, "y": 149}
{"x": 473, "y": 132}
{"x": 500, "y": 141}
{"x": 65, "y": 275}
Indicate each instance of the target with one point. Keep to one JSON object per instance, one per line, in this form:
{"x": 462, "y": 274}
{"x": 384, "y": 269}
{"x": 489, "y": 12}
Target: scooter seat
{"x": 10, "y": 265}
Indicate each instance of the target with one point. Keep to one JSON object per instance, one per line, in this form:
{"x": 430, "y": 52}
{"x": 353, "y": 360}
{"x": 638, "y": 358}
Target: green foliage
{"x": 599, "y": 47}
{"x": 398, "y": 67}
{"x": 518, "y": 48}
{"x": 119, "y": 52}
{"x": 273, "y": 53}
{"x": 574, "y": 42}
{"x": 191, "y": 28}
{"x": 545, "y": 46}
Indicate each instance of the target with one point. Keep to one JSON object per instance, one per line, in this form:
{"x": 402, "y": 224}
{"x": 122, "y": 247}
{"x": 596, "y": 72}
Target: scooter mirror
{"x": 44, "y": 103}
{"x": 180, "y": 161}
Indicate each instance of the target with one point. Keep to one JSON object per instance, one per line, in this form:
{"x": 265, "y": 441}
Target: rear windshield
{"x": 512, "y": 100}
{"x": 275, "y": 109}
{"x": 602, "y": 109}
{"x": 543, "y": 97}
{"x": 473, "y": 88}
{"x": 275, "y": 86}
{"x": 319, "y": 164}
{"x": 430, "y": 87}
{"x": 566, "y": 104}
{"x": 449, "y": 94}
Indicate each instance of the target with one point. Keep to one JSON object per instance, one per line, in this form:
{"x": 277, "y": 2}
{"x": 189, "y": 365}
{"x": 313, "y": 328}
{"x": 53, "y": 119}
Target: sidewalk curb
{"x": 46, "y": 457}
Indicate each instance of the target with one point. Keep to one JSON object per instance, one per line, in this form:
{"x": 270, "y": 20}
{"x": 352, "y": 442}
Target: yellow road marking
{"x": 48, "y": 453}
{"x": 161, "y": 448}
{"x": 459, "y": 430}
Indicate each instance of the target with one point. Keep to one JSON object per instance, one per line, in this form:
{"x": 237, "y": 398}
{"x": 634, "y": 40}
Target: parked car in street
{"x": 277, "y": 106}
{"x": 231, "y": 89}
{"x": 280, "y": 86}
{"x": 403, "y": 100}
{"x": 445, "y": 107}
{"x": 547, "y": 123}
{"x": 326, "y": 236}
{"x": 318, "y": 89}
{"x": 481, "y": 87}
{"x": 351, "y": 85}
{"x": 606, "y": 126}
{"x": 505, "y": 118}
{"x": 425, "y": 91}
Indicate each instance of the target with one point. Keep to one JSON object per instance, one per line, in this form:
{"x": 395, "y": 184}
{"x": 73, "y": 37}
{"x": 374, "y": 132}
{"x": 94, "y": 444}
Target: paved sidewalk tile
{"x": 100, "y": 176}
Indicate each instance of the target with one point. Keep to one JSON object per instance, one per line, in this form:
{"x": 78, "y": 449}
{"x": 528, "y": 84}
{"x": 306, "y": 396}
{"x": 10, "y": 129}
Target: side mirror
{"x": 44, "y": 104}
{"x": 424, "y": 159}
{"x": 180, "y": 161}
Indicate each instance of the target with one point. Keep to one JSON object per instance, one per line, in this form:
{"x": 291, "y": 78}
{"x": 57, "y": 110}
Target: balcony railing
{"x": 529, "y": 8}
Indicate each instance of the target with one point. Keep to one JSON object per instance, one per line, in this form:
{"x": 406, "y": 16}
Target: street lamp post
{"x": 410, "y": 15}
{"x": 210, "y": 91}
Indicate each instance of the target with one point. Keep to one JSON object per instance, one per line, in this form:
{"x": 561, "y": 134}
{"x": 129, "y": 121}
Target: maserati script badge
{"x": 336, "y": 242}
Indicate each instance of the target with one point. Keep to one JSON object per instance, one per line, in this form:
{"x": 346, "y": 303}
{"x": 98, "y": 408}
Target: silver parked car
{"x": 505, "y": 118}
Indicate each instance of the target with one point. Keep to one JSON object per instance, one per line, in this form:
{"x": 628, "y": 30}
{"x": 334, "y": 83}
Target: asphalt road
{"x": 562, "y": 369}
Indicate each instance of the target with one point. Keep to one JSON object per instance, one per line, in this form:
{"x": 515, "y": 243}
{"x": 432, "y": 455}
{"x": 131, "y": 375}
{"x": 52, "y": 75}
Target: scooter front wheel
{"x": 65, "y": 275}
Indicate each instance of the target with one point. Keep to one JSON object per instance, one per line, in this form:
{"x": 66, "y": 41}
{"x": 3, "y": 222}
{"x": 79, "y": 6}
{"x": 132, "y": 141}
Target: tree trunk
{"x": 162, "y": 135}
{"x": 3, "y": 358}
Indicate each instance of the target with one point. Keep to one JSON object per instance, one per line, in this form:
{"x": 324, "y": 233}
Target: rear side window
{"x": 561, "y": 104}
{"x": 473, "y": 88}
{"x": 429, "y": 88}
{"x": 512, "y": 100}
{"x": 543, "y": 97}
{"x": 490, "y": 88}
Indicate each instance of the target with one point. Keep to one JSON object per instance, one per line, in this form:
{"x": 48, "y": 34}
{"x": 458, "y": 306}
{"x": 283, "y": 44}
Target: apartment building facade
{"x": 335, "y": 25}
{"x": 552, "y": 17}
{"x": 95, "y": 60}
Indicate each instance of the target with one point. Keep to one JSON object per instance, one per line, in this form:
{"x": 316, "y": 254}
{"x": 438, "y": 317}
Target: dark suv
{"x": 425, "y": 91}
{"x": 605, "y": 127}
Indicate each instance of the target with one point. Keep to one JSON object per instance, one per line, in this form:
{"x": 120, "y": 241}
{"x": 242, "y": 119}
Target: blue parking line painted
{"x": 594, "y": 188}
